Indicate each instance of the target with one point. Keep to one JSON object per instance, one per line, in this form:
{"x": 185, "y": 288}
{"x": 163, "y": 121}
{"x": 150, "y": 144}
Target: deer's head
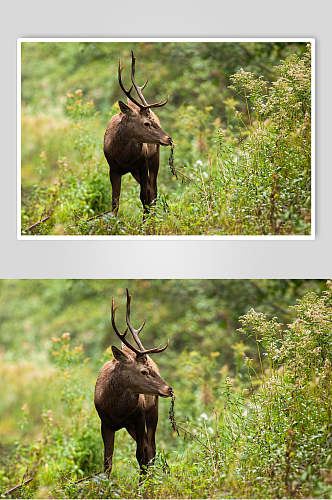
{"x": 141, "y": 373}
{"x": 142, "y": 123}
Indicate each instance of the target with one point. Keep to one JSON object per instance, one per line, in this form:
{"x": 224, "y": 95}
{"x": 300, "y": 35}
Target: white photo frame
{"x": 311, "y": 236}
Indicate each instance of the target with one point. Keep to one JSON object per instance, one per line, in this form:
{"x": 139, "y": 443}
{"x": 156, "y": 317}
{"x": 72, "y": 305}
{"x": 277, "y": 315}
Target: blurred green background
{"x": 191, "y": 313}
{"x": 193, "y": 73}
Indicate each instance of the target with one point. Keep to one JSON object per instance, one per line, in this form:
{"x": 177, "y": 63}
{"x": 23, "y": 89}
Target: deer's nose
{"x": 170, "y": 140}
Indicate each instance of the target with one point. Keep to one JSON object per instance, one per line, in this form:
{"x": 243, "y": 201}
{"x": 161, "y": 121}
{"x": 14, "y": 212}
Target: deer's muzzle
{"x": 166, "y": 392}
{"x": 167, "y": 141}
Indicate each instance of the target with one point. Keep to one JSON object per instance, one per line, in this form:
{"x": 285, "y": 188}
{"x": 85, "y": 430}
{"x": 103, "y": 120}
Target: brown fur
{"x": 132, "y": 146}
{"x": 125, "y": 398}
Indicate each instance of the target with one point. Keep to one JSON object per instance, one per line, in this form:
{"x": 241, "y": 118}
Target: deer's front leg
{"x": 108, "y": 438}
{"x": 144, "y": 194}
{"x": 153, "y": 164}
{"x": 151, "y": 426}
{"x": 116, "y": 188}
{"x": 141, "y": 449}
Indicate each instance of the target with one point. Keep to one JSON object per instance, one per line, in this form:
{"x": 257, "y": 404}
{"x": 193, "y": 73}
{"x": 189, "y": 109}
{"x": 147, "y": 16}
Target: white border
{"x": 169, "y": 237}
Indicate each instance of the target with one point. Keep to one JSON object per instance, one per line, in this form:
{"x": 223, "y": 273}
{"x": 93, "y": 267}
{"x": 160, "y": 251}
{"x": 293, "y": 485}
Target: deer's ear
{"x": 120, "y": 355}
{"x": 127, "y": 110}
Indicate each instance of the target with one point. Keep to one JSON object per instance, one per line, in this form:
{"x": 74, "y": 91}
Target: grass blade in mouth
{"x": 171, "y": 414}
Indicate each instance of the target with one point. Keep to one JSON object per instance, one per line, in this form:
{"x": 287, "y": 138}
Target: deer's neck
{"x": 125, "y": 149}
{"x": 121, "y": 397}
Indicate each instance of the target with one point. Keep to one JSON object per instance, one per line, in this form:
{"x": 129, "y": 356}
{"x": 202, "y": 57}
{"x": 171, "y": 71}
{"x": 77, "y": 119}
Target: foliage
{"x": 276, "y": 158}
{"x": 293, "y": 406}
{"x": 243, "y": 144}
{"x": 256, "y": 427}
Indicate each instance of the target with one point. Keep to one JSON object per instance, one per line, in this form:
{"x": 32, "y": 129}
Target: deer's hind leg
{"x": 108, "y": 438}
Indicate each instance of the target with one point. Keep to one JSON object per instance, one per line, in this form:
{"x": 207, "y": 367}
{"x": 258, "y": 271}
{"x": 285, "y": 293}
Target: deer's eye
{"x": 147, "y": 124}
{"x": 144, "y": 372}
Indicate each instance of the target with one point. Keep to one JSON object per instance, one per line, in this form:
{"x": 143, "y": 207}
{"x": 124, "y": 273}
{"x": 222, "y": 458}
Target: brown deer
{"x": 131, "y": 143}
{"x": 126, "y": 395}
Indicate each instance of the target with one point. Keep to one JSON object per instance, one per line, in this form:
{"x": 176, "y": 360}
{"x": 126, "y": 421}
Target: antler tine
{"x": 121, "y": 335}
{"x": 134, "y": 332}
{"x": 127, "y": 92}
{"x": 139, "y": 89}
{"x": 159, "y": 104}
{"x": 157, "y": 349}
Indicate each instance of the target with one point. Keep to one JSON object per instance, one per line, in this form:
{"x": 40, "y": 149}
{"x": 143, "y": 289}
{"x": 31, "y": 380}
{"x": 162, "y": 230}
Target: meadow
{"x": 239, "y": 114}
{"x": 249, "y": 361}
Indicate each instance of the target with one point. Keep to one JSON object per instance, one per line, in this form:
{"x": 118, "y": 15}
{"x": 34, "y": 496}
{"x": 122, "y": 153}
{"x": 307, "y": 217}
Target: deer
{"x": 132, "y": 141}
{"x": 126, "y": 395}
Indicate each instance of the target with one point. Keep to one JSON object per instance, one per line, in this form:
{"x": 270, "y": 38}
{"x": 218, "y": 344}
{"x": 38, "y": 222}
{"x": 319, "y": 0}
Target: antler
{"x": 127, "y": 92}
{"x": 141, "y": 351}
{"x": 138, "y": 89}
{"x": 122, "y": 336}
{"x": 134, "y": 332}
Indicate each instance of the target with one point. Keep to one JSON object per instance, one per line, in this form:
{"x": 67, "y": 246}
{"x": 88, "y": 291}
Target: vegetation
{"x": 253, "y": 392}
{"x": 240, "y": 116}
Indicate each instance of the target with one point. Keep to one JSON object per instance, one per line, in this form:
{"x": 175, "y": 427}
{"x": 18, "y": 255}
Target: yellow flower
{"x": 240, "y": 348}
{"x": 224, "y": 370}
